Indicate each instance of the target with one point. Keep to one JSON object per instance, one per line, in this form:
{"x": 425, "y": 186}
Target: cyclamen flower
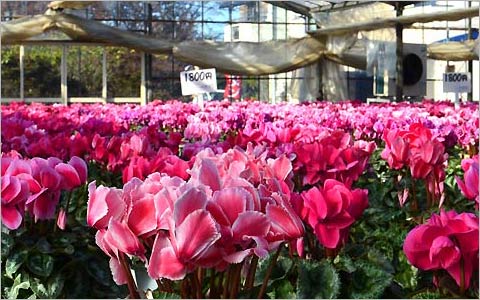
{"x": 447, "y": 241}
{"x": 470, "y": 185}
{"x": 35, "y": 185}
{"x": 331, "y": 209}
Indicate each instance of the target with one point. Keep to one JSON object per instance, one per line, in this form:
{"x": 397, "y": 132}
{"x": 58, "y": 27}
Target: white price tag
{"x": 198, "y": 81}
{"x": 456, "y": 83}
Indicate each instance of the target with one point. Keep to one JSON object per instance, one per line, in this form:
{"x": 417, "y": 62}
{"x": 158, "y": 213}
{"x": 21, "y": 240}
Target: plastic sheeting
{"x": 80, "y": 30}
{"x": 454, "y": 51}
{"x": 252, "y": 58}
{"x": 305, "y": 85}
{"x": 451, "y": 15}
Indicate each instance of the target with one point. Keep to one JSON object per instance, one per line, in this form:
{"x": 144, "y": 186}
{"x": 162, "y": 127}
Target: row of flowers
{"x": 34, "y": 129}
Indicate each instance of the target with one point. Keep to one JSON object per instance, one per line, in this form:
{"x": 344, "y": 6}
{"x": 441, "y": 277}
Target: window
{"x": 235, "y": 33}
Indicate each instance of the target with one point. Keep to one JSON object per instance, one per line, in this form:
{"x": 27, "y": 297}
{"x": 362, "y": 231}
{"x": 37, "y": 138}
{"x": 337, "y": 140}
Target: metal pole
{"x": 143, "y": 88}
{"x": 104, "y": 75}
{"x": 22, "y": 73}
{"x": 148, "y": 57}
{"x": 399, "y": 54}
{"x": 470, "y": 62}
{"x": 63, "y": 76}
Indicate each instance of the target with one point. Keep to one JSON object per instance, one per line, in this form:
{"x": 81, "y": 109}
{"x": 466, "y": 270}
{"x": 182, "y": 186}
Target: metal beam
{"x": 63, "y": 76}
{"x": 104, "y": 76}
{"x": 22, "y": 72}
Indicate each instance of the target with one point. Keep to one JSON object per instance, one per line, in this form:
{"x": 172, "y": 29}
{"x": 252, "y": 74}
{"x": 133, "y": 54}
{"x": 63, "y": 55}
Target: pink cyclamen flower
{"x": 192, "y": 232}
{"x": 447, "y": 241}
{"x": 103, "y": 204}
{"x": 470, "y": 185}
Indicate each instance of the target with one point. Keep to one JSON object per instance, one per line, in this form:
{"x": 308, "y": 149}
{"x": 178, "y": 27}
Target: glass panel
{"x": 42, "y": 71}
{"x": 162, "y": 77}
{"x": 188, "y": 11}
{"x": 163, "y": 10}
{"x": 123, "y": 72}
{"x": 215, "y": 31}
{"x": 263, "y": 86}
{"x": 250, "y": 88}
{"x": 293, "y": 17}
{"x": 218, "y": 11}
{"x": 185, "y": 31}
{"x": 295, "y": 30}
{"x": 131, "y": 9}
{"x": 103, "y": 10}
{"x": 84, "y": 69}
{"x": 10, "y": 77}
{"x": 279, "y": 14}
{"x": 267, "y": 32}
{"x": 248, "y": 11}
{"x": 13, "y": 9}
{"x": 247, "y": 32}
{"x": 163, "y": 30}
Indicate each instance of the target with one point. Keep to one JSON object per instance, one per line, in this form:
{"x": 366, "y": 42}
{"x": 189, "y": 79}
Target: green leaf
{"x": 14, "y": 262}
{"x": 369, "y": 281}
{"x": 280, "y": 269}
{"x": 164, "y": 295}
{"x": 55, "y": 285}
{"x": 39, "y": 288}
{"x": 427, "y": 295}
{"x": 7, "y": 244}
{"x": 50, "y": 289}
{"x": 344, "y": 263}
{"x": 40, "y": 264}
{"x": 282, "y": 289}
{"x": 81, "y": 215}
{"x": 317, "y": 280}
{"x": 100, "y": 271}
{"x": 18, "y": 283}
{"x": 44, "y": 246}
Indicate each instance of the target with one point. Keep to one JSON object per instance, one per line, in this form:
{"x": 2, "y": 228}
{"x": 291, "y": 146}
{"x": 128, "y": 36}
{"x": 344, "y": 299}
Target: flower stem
{"x": 132, "y": 288}
{"x": 251, "y": 273}
{"x": 196, "y": 286}
{"x": 269, "y": 272}
{"x": 184, "y": 290}
{"x": 414, "y": 196}
{"x": 213, "y": 289}
{"x": 236, "y": 277}
{"x": 226, "y": 283}
{"x": 462, "y": 276}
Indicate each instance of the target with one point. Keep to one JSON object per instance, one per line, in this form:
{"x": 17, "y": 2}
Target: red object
{"x": 233, "y": 87}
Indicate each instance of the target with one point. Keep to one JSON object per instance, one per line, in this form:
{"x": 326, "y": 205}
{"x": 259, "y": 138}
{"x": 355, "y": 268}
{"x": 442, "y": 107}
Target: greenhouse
{"x": 240, "y": 149}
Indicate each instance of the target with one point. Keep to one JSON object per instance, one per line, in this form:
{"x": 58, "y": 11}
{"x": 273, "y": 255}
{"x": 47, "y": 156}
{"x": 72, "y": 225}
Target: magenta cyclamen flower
{"x": 331, "y": 209}
{"x": 447, "y": 241}
{"x": 35, "y": 186}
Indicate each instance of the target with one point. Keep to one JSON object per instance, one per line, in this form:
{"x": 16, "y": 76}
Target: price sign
{"x": 198, "y": 81}
{"x": 456, "y": 83}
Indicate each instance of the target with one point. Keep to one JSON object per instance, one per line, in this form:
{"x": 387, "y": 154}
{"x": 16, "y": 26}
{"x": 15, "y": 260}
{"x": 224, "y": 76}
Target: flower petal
{"x": 233, "y": 201}
{"x": 197, "y": 232}
{"x": 142, "y": 219}
{"x": 250, "y": 223}
{"x": 163, "y": 262}
{"x": 120, "y": 236}
{"x": 118, "y": 272}
{"x": 208, "y": 173}
{"x": 11, "y": 217}
{"x": 80, "y": 166}
{"x": 190, "y": 201}
{"x": 70, "y": 176}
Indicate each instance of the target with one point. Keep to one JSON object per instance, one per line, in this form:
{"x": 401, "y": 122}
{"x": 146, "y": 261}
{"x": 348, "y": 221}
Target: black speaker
{"x": 414, "y": 74}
